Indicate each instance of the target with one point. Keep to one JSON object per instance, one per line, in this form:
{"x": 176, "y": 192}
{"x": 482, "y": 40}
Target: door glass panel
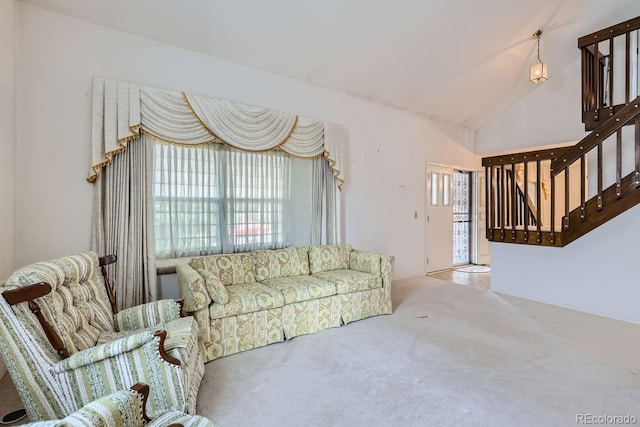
{"x": 446, "y": 190}
{"x": 435, "y": 187}
{"x": 461, "y": 217}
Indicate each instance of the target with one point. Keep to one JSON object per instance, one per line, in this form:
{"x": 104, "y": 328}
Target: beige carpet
{"x": 449, "y": 355}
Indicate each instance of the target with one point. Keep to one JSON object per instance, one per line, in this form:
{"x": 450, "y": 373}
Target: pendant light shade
{"x": 538, "y": 72}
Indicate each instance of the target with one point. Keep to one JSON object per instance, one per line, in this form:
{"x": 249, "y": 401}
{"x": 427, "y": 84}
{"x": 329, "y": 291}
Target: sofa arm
{"x": 364, "y": 261}
{"x": 192, "y": 288}
{"x": 147, "y": 315}
{"x": 386, "y": 269}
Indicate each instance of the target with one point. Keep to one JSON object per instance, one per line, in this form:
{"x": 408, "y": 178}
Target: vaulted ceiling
{"x": 459, "y": 62}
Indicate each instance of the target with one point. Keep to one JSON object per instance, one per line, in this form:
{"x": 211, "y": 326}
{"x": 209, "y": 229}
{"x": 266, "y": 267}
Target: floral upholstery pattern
{"x": 247, "y": 298}
{"x": 232, "y": 269}
{"x": 367, "y": 262}
{"x": 271, "y": 264}
{"x": 233, "y": 334}
{"x": 296, "y": 291}
{"x": 328, "y": 257}
{"x": 193, "y": 290}
{"x": 311, "y": 316}
{"x": 386, "y": 264}
{"x": 217, "y": 291}
{"x": 301, "y": 288}
{"x": 360, "y": 305}
{"x": 79, "y": 311}
{"x": 350, "y": 280}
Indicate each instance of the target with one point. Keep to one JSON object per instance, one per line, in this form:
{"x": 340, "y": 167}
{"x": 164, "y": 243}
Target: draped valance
{"x": 121, "y": 110}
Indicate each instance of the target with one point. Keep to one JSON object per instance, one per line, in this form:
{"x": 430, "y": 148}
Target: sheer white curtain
{"x": 215, "y": 199}
{"x": 187, "y": 200}
{"x": 123, "y": 223}
{"x": 258, "y": 187}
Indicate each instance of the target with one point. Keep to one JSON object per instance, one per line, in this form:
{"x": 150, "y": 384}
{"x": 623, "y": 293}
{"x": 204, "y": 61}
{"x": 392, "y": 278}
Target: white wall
{"x": 550, "y": 114}
{"x": 596, "y": 273}
{"x": 7, "y": 141}
{"x": 385, "y": 160}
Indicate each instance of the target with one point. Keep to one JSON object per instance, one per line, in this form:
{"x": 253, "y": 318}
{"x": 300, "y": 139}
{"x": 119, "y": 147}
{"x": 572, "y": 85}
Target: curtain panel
{"x": 123, "y": 223}
{"x": 126, "y": 114}
{"x": 121, "y": 111}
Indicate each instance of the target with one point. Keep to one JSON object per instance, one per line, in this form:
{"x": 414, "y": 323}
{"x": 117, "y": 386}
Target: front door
{"x": 439, "y": 218}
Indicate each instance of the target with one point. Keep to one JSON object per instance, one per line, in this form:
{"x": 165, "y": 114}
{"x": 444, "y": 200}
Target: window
{"x": 213, "y": 198}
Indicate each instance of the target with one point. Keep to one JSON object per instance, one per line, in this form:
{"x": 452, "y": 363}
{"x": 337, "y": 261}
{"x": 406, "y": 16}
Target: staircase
{"x": 552, "y": 197}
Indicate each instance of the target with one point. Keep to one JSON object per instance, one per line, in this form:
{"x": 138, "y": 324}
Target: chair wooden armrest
{"x": 142, "y": 389}
{"x": 103, "y": 262}
{"x": 29, "y": 294}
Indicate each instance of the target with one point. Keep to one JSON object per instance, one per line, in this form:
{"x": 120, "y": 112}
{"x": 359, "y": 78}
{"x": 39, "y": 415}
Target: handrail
{"x": 527, "y": 156}
{"x": 607, "y": 82}
{"x": 602, "y": 132}
{"x": 610, "y": 32}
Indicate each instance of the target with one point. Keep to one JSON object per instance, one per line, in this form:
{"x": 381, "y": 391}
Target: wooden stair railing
{"x": 622, "y": 194}
{"x": 504, "y": 203}
{"x": 608, "y": 57}
{"x": 565, "y": 171}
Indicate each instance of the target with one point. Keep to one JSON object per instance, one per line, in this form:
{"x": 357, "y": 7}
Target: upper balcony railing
{"x": 610, "y": 70}
{"x": 552, "y": 197}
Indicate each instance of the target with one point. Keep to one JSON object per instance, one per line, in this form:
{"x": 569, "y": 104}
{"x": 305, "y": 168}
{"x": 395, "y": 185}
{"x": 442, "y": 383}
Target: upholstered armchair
{"x": 65, "y": 345}
{"x": 125, "y": 408}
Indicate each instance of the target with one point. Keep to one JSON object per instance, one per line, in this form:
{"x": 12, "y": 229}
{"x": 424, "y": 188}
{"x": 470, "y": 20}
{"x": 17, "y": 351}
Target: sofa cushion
{"x": 301, "y": 288}
{"x": 328, "y": 257}
{"x": 232, "y": 269}
{"x": 217, "y": 291}
{"x": 247, "y": 298}
{"x": 367, "y": 262}
{"x": 271, "y": 264}
{"x": 350, "y": 280}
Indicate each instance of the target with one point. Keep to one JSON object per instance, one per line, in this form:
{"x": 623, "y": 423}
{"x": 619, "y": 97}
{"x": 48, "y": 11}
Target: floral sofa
{"x": 248, "y": 300}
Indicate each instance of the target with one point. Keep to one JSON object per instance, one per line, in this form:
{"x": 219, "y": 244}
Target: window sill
{"x": 168, "y": 266}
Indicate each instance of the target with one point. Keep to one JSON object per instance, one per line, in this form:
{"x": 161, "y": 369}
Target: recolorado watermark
{"x": 606, "y": 419}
